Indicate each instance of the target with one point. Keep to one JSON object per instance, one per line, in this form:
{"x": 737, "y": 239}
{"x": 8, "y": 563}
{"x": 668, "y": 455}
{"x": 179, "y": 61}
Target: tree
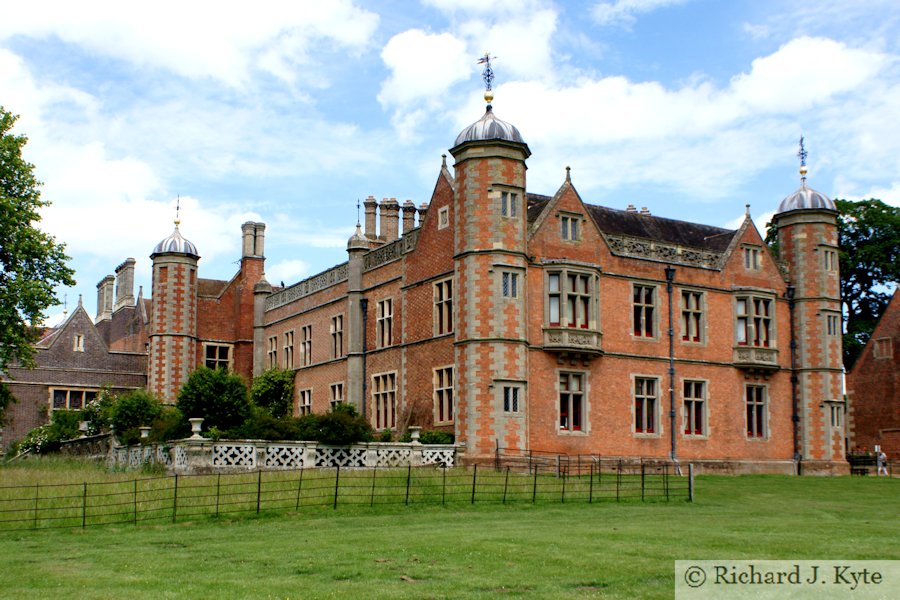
{"x": 869, "y": 236}
{"x": 273, "y": 391}
{"x": 218, "y": 396}
{"x": 32, "y": 263}
{"x": 132, "y": 411}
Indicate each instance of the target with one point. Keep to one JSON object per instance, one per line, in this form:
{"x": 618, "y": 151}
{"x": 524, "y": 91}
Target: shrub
{"x": 131, "y": 411}
{"x": 216, "y": 395}
{"x": 63, "y": 425}
{"x": 263, "y": 426}
{"x": 342, "y": 426}
{"x": 273, "y": 391}
{"x": 98, "y": 413}
{"x": 436, "y": 437}
{"x": 169, "y": 425}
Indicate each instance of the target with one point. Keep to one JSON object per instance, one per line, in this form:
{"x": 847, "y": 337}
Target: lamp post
{"x": 670, "y": 277}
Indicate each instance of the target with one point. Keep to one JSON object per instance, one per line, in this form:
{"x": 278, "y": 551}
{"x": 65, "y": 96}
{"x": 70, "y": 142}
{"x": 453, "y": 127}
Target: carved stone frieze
{"x": 631, "y": 247}
{"x": 308, "y": 286}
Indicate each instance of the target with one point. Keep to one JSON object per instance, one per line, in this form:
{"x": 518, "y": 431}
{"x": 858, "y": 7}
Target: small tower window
{"x": 79, "y": 343}
{"x": 509, "y": 204}
{"x": 751, "y": 258}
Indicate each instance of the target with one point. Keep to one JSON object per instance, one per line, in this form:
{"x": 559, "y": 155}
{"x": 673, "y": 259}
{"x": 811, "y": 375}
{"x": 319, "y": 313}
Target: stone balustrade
{"x": 194, "y": 456}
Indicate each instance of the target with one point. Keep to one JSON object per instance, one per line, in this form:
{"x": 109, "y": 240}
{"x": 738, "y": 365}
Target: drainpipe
{"x": 670, "y": 276}
{"x": 364, "y": 307}
{"x": 795, "y": 417}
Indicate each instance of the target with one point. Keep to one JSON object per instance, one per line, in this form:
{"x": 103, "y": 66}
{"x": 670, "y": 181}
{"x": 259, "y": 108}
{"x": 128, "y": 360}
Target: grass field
{"x": 572, "y": 550}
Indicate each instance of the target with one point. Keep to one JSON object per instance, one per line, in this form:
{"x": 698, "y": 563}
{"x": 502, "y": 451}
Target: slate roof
{"x": 211, "y": 287}
{"x": 634, "y": 224}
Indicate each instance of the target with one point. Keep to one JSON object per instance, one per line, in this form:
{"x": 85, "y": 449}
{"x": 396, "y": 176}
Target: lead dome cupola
{"x": 176, "y": 244}
{"x": 805, "y": 198}
{"x": 489, "y": 127}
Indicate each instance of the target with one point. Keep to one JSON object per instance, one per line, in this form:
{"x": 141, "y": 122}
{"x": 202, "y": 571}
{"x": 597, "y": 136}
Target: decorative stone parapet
{"x": 194, "y": 456}
{"x": 752, "y": 357}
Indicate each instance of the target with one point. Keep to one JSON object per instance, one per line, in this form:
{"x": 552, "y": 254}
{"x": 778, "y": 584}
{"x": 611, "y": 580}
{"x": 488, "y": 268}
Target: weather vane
{"x": 177, "y": 210}
{"x": 488, "y": 76}
{"x": 802, "y": 154}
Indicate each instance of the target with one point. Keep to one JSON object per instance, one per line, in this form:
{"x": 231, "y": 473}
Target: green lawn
{"x": 549, "y": 550}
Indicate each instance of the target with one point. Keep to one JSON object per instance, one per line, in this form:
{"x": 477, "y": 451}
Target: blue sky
{"x": 289, "y": 112}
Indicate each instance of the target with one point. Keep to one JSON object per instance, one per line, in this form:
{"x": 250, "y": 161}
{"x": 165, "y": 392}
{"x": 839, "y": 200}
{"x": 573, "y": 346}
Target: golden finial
{"x": 488, "y": 76}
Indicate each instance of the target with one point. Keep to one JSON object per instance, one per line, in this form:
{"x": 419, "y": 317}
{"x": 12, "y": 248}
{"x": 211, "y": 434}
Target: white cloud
{"x": 288, "y": 271}
{"x": 423, "y": 66}
{"x": 624, "y": 12}
{"x": 482, "y": 8}
{"x": 221, "y": 40}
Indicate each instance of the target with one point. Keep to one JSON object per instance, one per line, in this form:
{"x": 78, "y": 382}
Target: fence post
{"x": 618, "y": 479}
{"x": 36, "y": 495}
{"x": 408, "y": 477}
{"x": 505, "y": 484}
{"x": 337, "y": 478}
{"x": 642, "y": 480}
{"x": 666, "y": 480}
{"x": 135, "y": 501}
{"x": 564, "y": 477}
{"x": 444, "y": 486}
{"x": 372, "y": 495}
{"x": 299, "y": 487}
{"x": 175, "y": 499}
{"x": 690, "y": 482}
{"x": 258, "y": 488}
{"x": 534, "y": 489}
{"x": 218, "y": 491}
{"x": 591, "y": 485}
{"x": 84, "y": 505}
{"x": 497, "y": 455}
{"x": 474, "y": 479}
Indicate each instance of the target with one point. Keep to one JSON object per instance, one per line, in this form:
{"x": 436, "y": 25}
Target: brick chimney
{"x": 390, "y": 219}
{"x": 423, "y": 210}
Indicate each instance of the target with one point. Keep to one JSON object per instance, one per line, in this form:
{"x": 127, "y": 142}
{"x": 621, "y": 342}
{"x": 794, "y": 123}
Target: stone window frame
{"x": 574, "y": 419}
{"x": 511, "y": 397}
{"x": 306, "y": 338}
{"x": 651, "y": 428}
{"x": 693, "y": 315}
{"x": 836, "y": 413}
{"x": 228, "y": 362}
{"x": 272, "y": 351}
{"x": 288, "y": 347}
{"x": 688, "y": 419}
{"x": 337, "y": 336}
{"x": 384, "y": 315}
{"x": 509, "y": 203}
{"x": 336, "y": 393}
{"x": 639, "y": 318}
{"x": 883, "y": 348}
{"x": 592, "y": 297}
{"x": 830, "y": 257}
{"x": 442, "y": 295}
{"x": 756, "y": 413}
{"x": 832, "y": 323}
{"x": 509, "y": 284}
{"x": 384, "y": 400}
{"x": 304, "y": 402}
{"x": 442, "y": 383}
{"x": 78, "y": 342}
{"x": 571, "y": 226}
{"x": 752, "y": 319}
{"x": 86, "y": 395}
{"x": 443, "y": 217}
{"x": 752, "y": 255}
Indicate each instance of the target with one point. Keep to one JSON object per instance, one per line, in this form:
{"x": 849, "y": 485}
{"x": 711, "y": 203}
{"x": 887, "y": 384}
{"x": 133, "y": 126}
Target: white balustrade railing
{"x": 204, "y": 456}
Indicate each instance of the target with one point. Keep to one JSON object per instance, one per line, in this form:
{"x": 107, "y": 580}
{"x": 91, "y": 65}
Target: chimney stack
{"x": 370, "y": 204}
{"x": 124, "y": 284}
{"x": 645, "y": 211}
{"x": 631, "y": 208}
{"x": 423, "y": 210}
{"x": 390, "y": 219}
{"x": 105, "y": 298}
{"x": 409, "y": 216}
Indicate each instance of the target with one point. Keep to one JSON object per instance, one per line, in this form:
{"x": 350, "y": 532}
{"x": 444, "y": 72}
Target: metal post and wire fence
{"x": 183, "y": 497}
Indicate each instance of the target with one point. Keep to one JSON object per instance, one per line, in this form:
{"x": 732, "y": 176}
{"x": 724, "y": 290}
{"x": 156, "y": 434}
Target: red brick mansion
{"x": 532, "y": 322}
